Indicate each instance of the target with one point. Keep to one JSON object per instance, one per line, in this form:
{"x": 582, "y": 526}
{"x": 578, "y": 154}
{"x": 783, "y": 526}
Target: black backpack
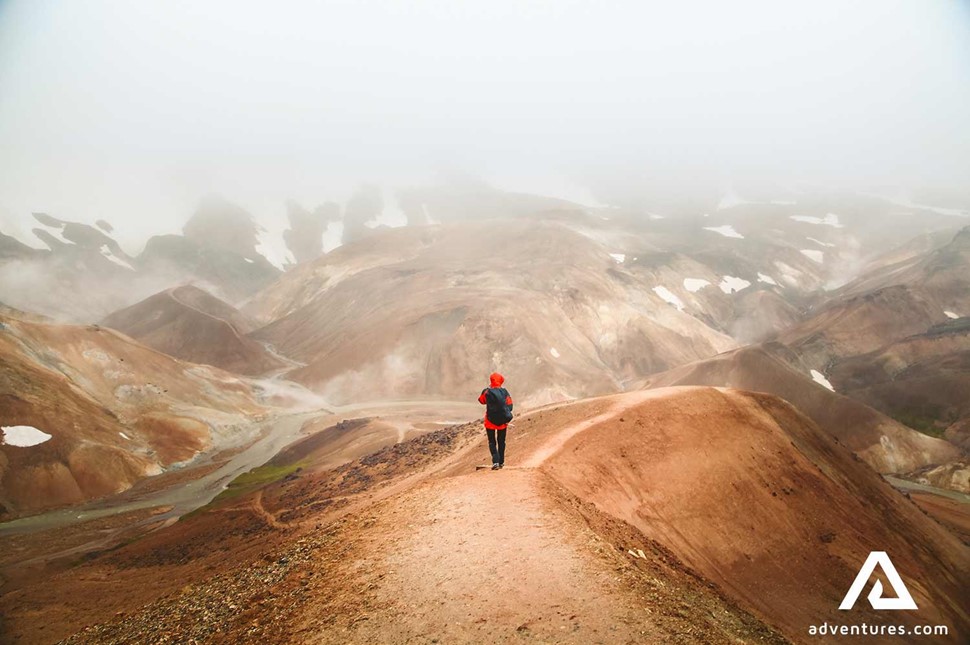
{"x": 495, "y": 408}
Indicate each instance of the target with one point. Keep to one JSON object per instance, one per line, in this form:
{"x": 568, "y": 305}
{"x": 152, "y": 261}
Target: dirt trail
{"x": 429, "y": 550}
{"x": 618, "y": 405}
{"x": 484, "y": 557}
{"x": 493, "y": 557}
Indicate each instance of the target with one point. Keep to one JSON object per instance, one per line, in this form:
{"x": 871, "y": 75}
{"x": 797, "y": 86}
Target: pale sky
{"x": 131, "y": 111}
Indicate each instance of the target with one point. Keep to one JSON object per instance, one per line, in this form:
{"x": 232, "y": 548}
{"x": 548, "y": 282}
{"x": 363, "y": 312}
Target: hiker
{"x": 498, "y": 413}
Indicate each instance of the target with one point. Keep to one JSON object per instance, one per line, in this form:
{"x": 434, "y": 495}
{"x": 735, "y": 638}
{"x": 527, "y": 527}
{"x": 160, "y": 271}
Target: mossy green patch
{"x": 926, "y": 424}
{"x": 247, "y": 482}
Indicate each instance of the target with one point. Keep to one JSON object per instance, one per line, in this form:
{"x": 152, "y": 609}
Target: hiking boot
{"x": 501, "y": 466}
{"x": 496, "y": 466}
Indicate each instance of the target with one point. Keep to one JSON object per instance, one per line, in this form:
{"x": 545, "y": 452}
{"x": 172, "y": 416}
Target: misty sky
{"x": 132, "y": 110}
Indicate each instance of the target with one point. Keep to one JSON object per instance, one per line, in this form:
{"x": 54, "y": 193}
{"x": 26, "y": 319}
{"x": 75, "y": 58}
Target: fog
{"x": 132, "y": 111}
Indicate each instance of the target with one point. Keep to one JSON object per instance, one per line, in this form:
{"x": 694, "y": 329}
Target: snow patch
{"x": 730, "y": 284}
{"x": 830, "y": 219}
{"x": 695, "y": 284}
{"x": 273, "y": 248}
{"x": 655, "y": 216}
{"x": 57, "y": 234}
{"x": 767, "y": 279}
{"x": 819, "y": 378}
{"x": 820, "y": 242}
{"x": 124, "y": 436}
{"x": 23, "y": 436}
{"x": 108, "y": 255}
{"x": 333, "y": 235}
{"x": 950, "y": 314}
{"x": 620, "y": 258}
{"x": 668, "y": 296}
{"x": 727, "y": 231}
{"x": 813, "y": 255}
{"x": 554, "y": 352}
{"x": 250, "y": 260}
{"x": 391, "y": 216}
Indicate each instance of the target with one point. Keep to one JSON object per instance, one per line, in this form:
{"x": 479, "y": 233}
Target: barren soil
{"x": 412, "y": 544}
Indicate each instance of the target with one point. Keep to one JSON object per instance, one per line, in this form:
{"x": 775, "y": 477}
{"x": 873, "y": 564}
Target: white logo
{"x": 902, "y": 600}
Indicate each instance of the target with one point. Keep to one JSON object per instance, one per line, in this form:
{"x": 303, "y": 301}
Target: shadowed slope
{"x": 188, "y": 323}
{"x": 885, "y": 444}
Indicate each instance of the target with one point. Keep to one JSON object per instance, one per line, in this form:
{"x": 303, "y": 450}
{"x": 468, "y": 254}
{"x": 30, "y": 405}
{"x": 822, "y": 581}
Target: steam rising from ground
{"x": 287, "y": 394}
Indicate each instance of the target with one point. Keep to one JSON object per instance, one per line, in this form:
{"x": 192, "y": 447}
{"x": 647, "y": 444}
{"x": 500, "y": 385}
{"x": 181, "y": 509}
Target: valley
{"x": 713, "y": 427}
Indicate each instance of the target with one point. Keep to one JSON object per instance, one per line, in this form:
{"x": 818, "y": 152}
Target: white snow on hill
{"x": 392, "y": 216}
{"x": 57, "y": 234}
{"x": 819, "y": 378}
{"x": 812, "y": 254}
{"x": 767, "y": 279}
{"x": 668, "y": 296}
{"x": 333, "y": 235}
{"x": 106, "y": 252}
{"x": 950, "y": 314}
{"x": 819, "y": 242}
{"x": 554, "y": 352}
{"x": 619, "y": 257}
{"x": 829, "y": 220}
{"x": 695, "y": 284}
{"x": 730, "y": 284}
{"x": 727, "y": 231}
{"x": 272, "y": 247}
{"x": 23, "y": 436}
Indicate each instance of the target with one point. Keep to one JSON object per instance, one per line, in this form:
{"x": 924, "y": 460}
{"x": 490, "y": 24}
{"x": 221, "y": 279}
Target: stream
{"x": 274, "y": 435}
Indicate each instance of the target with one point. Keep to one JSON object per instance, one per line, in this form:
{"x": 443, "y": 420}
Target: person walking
{"x": 498, "y": 414}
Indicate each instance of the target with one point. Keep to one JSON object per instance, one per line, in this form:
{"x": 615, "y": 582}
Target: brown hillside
{"x": 886, "y": 445}
{"x": 688, "y": 515}
{"x": 922, "y": 380}
{"x": 887, "y": 305}
{"x": 116, "y": 411}
{"x": 190, "y": 324}
{"x": 753, "y": 495}
{"x": 419, "y": 311}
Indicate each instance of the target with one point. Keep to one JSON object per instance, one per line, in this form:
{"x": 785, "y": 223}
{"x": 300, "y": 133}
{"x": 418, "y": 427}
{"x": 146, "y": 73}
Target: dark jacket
{"x": 497, "y": 401}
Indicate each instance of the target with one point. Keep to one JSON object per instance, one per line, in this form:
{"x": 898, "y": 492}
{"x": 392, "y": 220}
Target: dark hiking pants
{"x": 498, "y": 452}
